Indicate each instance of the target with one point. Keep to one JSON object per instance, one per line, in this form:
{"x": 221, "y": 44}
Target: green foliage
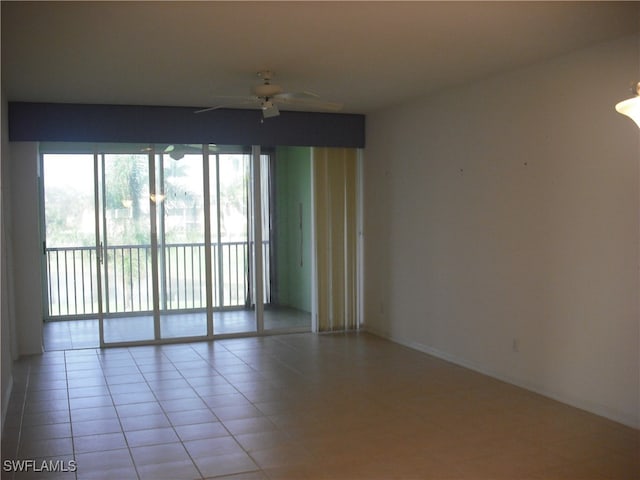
{"x": 69, "y": 216}
{"x": 126, "y": 184}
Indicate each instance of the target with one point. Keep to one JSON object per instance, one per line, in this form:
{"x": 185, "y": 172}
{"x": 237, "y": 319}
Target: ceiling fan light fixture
{"x": 266, "y": 90}
{"x": 631, "y": 106}
{"x": 157, "y": 197}
{"x": 175, "y": 152}
{"x": 269, "y": 109}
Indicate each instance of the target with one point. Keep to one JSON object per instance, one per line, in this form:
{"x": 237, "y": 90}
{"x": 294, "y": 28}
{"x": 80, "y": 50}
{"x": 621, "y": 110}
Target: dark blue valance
{"x": 63, "y": 122}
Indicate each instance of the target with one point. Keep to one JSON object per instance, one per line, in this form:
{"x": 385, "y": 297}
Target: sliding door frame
{"x": 256, "y": 252}
{"x": 258, "y": 267}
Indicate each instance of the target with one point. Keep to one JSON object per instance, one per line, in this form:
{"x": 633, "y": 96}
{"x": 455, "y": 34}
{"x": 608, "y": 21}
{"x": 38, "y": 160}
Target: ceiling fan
{"x": 269, "y": 97}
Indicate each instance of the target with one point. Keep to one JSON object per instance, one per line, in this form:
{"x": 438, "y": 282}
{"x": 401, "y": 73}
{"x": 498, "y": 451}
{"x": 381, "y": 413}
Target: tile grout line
{"x": 262, "y": 470}
{"x": 22, "y": 413}
{"x": 73, "y": 443}
{"x": 207, "y": 405}
{"x": 146, "y": 381}
{"x": 165, "y": 413}
{"x": 117, "y": 414}
{"x": 211, "y": 410}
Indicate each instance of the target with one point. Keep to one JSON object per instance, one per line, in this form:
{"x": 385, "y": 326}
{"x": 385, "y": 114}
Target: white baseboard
{"x": 599, "y": 410}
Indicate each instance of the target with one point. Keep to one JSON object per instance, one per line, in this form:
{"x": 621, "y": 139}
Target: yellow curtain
{"x": 335, "y": 208}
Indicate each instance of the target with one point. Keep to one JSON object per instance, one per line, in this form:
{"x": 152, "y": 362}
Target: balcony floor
{"x": 78, "y": 334}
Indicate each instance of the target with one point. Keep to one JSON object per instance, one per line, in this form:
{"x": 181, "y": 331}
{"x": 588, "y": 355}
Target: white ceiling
{"x": 367, "y": 55}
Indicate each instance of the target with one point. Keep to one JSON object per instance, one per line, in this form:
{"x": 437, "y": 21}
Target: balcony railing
{"x": 127, "y": 286}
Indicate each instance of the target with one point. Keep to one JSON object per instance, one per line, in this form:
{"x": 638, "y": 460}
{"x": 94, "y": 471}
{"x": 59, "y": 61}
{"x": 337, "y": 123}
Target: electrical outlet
{"x": 515, "y": 345}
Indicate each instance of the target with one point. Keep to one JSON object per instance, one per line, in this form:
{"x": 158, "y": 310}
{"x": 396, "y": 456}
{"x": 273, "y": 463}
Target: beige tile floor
{"x": 345, "y": 406}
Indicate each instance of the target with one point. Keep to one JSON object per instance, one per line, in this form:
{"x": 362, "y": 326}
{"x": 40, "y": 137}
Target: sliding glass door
{"x": 165, "y": 242}
{"x": 125, "y": 249}
{"x": 231, "y": 219}
{"x": 71, "y": 285}
{"x": 181, "y": 251}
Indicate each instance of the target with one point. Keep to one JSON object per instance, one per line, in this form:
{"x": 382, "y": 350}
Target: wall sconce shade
{"x": 631, "y": 107}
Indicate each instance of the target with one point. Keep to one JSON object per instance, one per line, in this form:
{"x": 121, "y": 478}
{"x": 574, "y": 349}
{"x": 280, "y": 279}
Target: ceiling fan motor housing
{"x": 266, "y": 90}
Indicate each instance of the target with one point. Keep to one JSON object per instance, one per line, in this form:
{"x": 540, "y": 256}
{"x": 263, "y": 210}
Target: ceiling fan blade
{"x": 208, "y": 109}
{"x": 240, "y": 102}
{"x": 308, "y": 103}
{"x": 306, "y": 95}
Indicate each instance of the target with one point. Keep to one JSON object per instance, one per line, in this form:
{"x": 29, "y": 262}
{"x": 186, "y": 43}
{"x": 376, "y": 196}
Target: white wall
{"x": 508, "y": 211}
{"x": 8, "y": 347}
{"x": 27, "y": 247}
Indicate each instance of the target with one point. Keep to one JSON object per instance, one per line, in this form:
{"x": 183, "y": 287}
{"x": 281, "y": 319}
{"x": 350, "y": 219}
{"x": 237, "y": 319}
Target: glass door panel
{"x": 230, "y": 220}
{"x": 181, "y": 247}
{"x": 71, "y": 285}
{"x": 126, "y": 249}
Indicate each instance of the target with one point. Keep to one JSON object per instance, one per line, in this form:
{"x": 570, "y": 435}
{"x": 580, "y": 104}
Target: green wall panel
{"x": 293, "y": 226}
